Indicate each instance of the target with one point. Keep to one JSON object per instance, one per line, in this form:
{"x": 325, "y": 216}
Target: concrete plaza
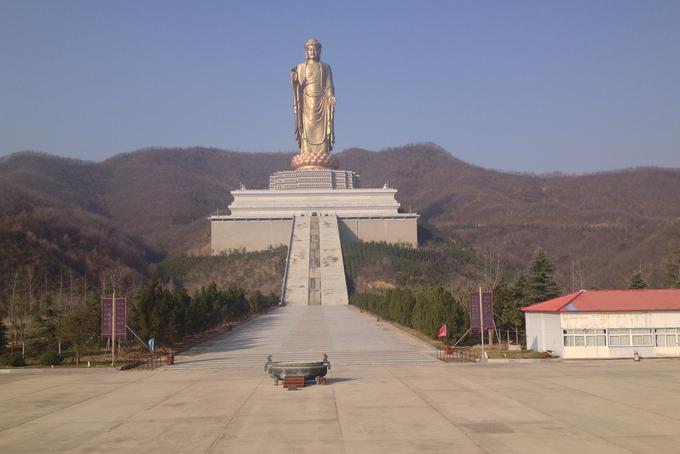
{"x": 385, "y": 394}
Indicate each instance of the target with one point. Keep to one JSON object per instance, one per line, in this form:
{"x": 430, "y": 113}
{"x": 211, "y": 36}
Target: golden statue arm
{"x": 297, "y": 109}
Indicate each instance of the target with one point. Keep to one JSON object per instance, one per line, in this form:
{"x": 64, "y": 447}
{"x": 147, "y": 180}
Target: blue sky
{"x": 538, "y": 86}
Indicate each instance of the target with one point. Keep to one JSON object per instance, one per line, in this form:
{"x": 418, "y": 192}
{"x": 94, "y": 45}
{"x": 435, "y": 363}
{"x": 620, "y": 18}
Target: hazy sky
{"x": 516, "y": 85}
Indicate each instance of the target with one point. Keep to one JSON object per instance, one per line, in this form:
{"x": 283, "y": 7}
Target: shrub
{"x": 50, "y": 358}
{"x": 12, "y": 360}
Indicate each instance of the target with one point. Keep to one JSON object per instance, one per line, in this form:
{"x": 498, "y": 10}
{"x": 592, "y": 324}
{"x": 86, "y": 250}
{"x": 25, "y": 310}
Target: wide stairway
{"x": 296, "y": 286}
{"x": 332, "y": 269}
{"x": 315, "y": 271}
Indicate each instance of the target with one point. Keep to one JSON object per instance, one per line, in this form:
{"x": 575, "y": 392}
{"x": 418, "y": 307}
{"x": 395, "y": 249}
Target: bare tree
{"x": 61, "y": 284}
{"x": 70, "y": 293}
{"x": 31, "y": 284}
{"x": 13, "y": 309}
{"x": 491, "y": 266}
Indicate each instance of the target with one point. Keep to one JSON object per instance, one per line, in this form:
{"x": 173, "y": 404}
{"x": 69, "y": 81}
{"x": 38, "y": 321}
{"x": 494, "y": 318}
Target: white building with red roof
{"x": 606, "y": 324}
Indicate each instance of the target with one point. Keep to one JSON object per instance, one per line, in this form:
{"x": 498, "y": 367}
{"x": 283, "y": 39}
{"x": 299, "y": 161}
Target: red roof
{"x": 611, "y": 301}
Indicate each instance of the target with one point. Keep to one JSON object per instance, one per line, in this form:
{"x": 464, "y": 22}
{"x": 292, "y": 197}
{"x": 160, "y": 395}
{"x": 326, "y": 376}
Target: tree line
{"x": 48, "y": 321}
{"x": 427, "y": 308}
{"x": 406, "y": 266}
{"x": 421, "y": 309}
{"x": 168, "y": 314}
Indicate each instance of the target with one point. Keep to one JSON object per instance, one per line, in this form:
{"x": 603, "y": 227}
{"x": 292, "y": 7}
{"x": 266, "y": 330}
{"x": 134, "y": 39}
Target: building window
{"x": 642, "y": 337}
{"x": 631, "y": 337}
{"x": 619, "y": 337}
{"x": 622, "y": 337}
{"x": 596, "y": 337}
{"x": 584, "y": 337}
{"x": 667, "y": 337}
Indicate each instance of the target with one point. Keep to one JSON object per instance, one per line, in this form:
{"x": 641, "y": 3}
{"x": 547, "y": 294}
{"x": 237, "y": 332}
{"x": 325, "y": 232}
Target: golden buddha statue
{"x": 314, "y": 108}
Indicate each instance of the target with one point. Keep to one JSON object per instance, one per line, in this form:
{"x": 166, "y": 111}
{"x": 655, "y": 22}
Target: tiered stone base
{"x": 314, "y": 179}
{"x": 314, "y": 161}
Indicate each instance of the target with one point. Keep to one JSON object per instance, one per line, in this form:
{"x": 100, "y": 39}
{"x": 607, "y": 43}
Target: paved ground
{"x": 401, "y": 405}
{"x": 305, "y": 333}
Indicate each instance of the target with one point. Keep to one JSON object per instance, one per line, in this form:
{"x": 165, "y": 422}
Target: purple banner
{"x": 107, "y": 318}
{"x": 487, "y": 303}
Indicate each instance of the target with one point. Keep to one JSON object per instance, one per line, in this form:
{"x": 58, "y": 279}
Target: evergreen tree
{"x": 541, "y": 285}
{"x": 144, "y": 311}
{"x": 508, "y": 301}
{"x": 423, "y": 309}
{"x": 81, "y": 326}
{"x": 457, "y": 319}
{"x": 673, "y": 272}
{"x": 3, "y": 335}
{"x": 637, "y": 281}
{"x": 46, "y": 321}
{"x": 520, "y": 289}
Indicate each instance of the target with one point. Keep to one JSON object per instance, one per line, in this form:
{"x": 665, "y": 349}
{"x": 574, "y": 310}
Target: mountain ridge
{"x": 606, "y": 223}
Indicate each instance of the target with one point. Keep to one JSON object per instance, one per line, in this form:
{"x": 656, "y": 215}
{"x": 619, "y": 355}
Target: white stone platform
{"x": 341, "y": 202}
{"x": 262, "y": 218}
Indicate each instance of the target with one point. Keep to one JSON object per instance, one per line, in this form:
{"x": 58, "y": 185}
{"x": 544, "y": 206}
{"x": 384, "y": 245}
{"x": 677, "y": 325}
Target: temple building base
{"x": 312, "y": 213}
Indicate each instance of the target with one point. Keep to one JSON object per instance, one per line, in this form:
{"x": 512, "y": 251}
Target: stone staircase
{"x": 296, "y": 287}
{"x": 332, "y": 268}
{"x": 314, "y": 262}
{"x": 316, "y": 273}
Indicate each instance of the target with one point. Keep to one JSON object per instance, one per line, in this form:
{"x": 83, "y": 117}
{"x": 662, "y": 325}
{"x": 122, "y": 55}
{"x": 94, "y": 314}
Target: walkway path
{"x": 305, "y": 333}
{"x": 385, "y": 394}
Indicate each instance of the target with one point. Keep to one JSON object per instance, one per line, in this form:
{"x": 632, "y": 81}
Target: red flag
{"x": 442, "y": 331}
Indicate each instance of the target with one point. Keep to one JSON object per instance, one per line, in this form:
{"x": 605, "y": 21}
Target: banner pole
{"x": 481, "y": 324}
{"x": 113, "y": 329}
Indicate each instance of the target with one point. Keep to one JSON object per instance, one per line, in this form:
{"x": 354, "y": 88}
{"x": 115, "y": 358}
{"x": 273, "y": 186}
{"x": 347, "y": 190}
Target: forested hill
{"x": 54, "y": 222}
{"x": 136, "y": 207}
{"x": 603, "y": 225}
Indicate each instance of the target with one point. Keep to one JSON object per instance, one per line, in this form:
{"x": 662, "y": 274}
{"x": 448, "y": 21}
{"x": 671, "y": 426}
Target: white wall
{"x": 398, "y": 229}
{"x": 604, "y": 320}
{"x": 229, "y": 233}
{"x": 544, "y": 332}
{"x": 343, "y": 202}
{"x": 252, "y": 235}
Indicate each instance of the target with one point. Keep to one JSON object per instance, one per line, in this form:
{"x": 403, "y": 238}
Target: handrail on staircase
{"x": 285, "y": 269}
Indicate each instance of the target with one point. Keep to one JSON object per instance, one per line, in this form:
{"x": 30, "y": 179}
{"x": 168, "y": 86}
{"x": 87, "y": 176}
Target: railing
{"x": 457, "y": 355}
{"x": 285, "y": 268}
{"x": 146, "y": 362}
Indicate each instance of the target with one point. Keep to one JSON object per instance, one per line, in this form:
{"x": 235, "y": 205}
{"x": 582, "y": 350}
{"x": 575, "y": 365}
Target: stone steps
{"x": 316, "y": 273}
{"x": 332, "y": 269}
{"x": 297, "y": 280}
